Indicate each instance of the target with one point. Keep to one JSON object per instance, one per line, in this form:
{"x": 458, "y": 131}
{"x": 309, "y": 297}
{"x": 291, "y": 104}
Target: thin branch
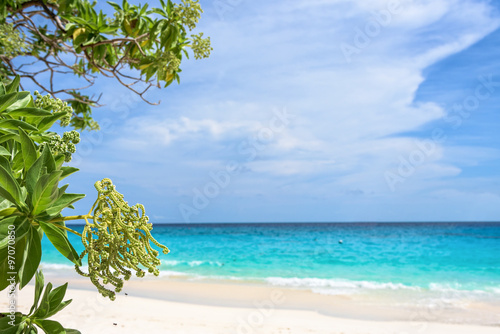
{"x": 53, "y": 16}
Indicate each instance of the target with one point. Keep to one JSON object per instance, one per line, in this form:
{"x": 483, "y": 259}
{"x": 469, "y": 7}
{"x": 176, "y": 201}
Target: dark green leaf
{"x": 9, "y": 188}
{"x": 32, "y": 257}
{"x": 50, "y": 326}
{"x": 22, "y": 227}
{"x": 56, "y": 298}
{"x": 30, "y": 112}
{"x": 47, "y": 122}
{"x": 17, "y": 162}
{"x": 23, "y": 99}
{"x": 6, "y": 100}
{"x": 5, "y": 163}
{"x": 15, "y": 124}
{"x": 39, "y": 283}
{"x": 115, "y": 6}
{"x": 13, "y": 86}
{"x": 59, "y": 239}
{"x": 67, "y": 171}
{"x": 8, "y": 212}
{"x": 59, "y": 159}
{"x": 28, "y": 148}
{"x": 63, "y": 189}
{"x": 4, "y": 151}
{"x": 33, "y": 175}
{"x": 62, "y": 202}
{"x": 59, "y": 307}
{"x": 6, "y": 328}
{"x": 45, "y": 192}
{"x": 6, "y": 271}
{"x": 44, "y": 307}
{"x": 9, "y": 136}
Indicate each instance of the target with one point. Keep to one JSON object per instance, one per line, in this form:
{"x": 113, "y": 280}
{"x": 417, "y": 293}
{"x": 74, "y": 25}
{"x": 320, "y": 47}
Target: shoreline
{"x": 233, "y": 307}
{"x": 90, "y": 313}
{"x": 389, "y": 305}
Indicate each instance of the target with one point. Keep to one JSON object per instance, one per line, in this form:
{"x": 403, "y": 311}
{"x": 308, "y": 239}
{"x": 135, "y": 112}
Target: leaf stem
{"x": 63, "y": 219}
{"x": 68, "y": 229}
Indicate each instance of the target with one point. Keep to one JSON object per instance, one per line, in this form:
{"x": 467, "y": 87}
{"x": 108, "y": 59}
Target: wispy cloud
{"x": 352, "y": 117}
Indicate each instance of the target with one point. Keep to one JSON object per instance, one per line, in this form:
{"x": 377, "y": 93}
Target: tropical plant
{"x": 116, "y": 236}
{"x": 50, "y": 303}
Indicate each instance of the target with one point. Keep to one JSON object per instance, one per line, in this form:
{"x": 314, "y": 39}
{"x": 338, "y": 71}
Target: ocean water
{"x": 441, "y": 260}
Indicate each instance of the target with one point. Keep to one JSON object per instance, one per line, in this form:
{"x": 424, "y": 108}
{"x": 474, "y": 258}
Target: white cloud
{"x": 350, "y": 117}
{"x": 165, "y": 131}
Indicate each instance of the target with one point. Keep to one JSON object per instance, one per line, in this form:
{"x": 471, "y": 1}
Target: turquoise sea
{"x": 445, "y": 261}
{"x": 433, "y": 256}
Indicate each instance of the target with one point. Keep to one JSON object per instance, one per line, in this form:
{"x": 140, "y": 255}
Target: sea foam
{"x": 335, "y": 286}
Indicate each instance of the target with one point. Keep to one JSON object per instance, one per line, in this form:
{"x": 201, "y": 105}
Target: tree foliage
{"x": 140, "y": 47}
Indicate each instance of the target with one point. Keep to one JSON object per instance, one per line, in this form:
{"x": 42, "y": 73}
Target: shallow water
{"x": 447, "y": 263}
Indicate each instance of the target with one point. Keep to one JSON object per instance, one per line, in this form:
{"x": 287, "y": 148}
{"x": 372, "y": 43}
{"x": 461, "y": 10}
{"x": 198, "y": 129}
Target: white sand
{"x": 263, "y": 313}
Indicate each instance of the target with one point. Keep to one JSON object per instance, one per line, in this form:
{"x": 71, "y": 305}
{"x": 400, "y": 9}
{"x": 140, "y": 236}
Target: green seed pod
{"x": 117, "y": 239}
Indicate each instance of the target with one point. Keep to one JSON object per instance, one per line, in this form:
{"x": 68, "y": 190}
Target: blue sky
{"x": 315, "y": 110}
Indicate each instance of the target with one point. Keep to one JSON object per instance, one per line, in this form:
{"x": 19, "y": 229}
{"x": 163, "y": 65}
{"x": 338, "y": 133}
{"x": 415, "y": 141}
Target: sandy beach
{"x": 182, "y": 307}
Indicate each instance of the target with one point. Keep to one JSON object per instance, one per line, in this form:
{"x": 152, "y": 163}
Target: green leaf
{"x": 55, "y": 300}
{"x": 4, "y": 204}
{"x": 6, "y": 328}
{"x": 59, "y": 159}
{"x": 16, "y": 240}
{"x": 115, "y": 6}
{"x": 44, "y": 307}
{"x": 37, "y": 169}
{"x": 32, "y": 257}
{"x": 23, "y": 99}
{"x": 28, "y": 148}
{"x": 47, "y": 122}
{"x": 22, "y": 227}
{"x": 67, "y": 171}
{"x": 17, "y": 163}
{"x": 13, "y": 86}
{"x": 6, "y": 268}
{"x": 59, "y": 239}
{"x": 63, "y": 189}
{"x": 170, "y": 5}
{"x": 10, "y": 136}
{"x": 39, "y": 283}
{"x": 59, "y": 307}
{"x": 30, "y": 112}
{"x": 9, "y": 188}
{"x": 5, "y": 163}
{"x": 4, "y": 151}
{"x": 50, "y": 326}
{"x": 6, "y": 100}
{"x": 45, "y": 192}
{"x": 62, "y": 202}
{"x": 8, "y": 212}
{"x": 72, "y": 331}
{"x": 15, "y": 124}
